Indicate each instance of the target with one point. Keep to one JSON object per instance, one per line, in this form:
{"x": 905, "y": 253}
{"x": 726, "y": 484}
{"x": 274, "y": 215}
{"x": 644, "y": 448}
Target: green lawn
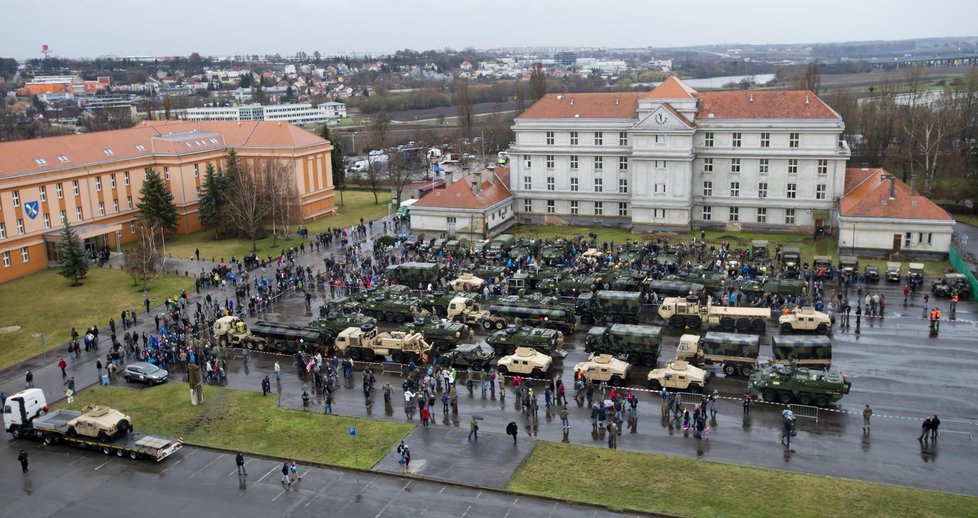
{"x": 971, "y": 219}
{"x": 689, "y": 487}
{"x": 45, "y": 302}
{"x": 247, "y": 421}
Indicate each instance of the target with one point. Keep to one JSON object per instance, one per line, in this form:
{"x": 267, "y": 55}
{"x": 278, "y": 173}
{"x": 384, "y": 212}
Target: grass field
{"x": 45, "y": 302}
{"x": 688, "y": 487}
{"x": 247, "y": 421}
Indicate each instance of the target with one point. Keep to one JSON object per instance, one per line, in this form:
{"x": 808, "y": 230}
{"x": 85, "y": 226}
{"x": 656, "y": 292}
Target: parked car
{"x": 145, "y": 373}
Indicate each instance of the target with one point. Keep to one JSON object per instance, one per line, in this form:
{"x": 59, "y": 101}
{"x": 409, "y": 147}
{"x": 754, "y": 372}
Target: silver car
{"x": 145, "y": 373}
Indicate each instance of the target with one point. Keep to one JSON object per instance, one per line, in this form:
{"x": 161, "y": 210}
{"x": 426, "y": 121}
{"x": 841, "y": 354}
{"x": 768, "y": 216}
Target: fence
{"x": 690, "y": 398}
{"x": 961, "y": 267}
{"x": 392, "y": 368}
{"x": 811, "y": 412}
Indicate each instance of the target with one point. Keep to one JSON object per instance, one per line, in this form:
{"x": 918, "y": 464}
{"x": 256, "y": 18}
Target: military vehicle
{"x": 848, "y": 264}
{"x": 672, "y": 288}
{"x": 593, "y": 253}
{"x": 799, "y": 385}
{"x": 569, "y": 284}
{"x": 711, "y": 281}
{"x": 604, "y": 368}
{"x": 871, "y": 273}
{"x": 791, "y": 261}
{"x": 678, "y": 375}
{"x": 624, "y": 280}
{"x": 762, "y": 285}
{"x": 480, "y": 247}
{"x": 385, "y": 306}
{"x": 489, "y": 272}
{"x": 441, "y": 334}
{"x": 805, "y": 319}
{"x": 524, "y": 247}
{"x": 476, "y": 356}
{"x": 525, "y": 361}
{"x": 893, "y": 271}
{"x": 467, "y": 282}
{"x": 950, "y": 284}
{"x": 452, "y": 246}
{"x": 501, "y": 244}
{"x": 554, "y": 252}
{"x": 367, "y": 344}
{"x": 99, "y": 421}
{"x": 231, "y": 331}
{"x": 638, "y": 344}
{"x": 340, "y": 305}
{"x": 735, "y": 354}
{"x": 411, "y": 273}
{"x": 916, "y": 275}
{"x": 437, "y": 302}
{"x": 803, "y": 351}
{"x": 633, "y": 252}
{"x": 530, "y": 279}
{"x": 465, "y": 310}
{"x": 331, "y": 324}
{"x": 506, "y": 341}
{"x": 689, "y": 312}
{"x": 760, "y": 249}
{"x": 541, "y": 310}
{"x": 665, "y": 258}
{"x": 609, "y": 306}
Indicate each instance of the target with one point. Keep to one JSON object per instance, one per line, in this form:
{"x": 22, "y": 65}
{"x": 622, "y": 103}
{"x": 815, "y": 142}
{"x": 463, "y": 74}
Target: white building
{"x": 674, "y": 158}
{"x": 476, "y": 207}
{"x": 303, "y": 113}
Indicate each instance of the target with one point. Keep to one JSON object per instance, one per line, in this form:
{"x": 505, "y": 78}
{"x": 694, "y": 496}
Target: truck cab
{"x": 893, "y": 271}
{"x": 23, "y": 406}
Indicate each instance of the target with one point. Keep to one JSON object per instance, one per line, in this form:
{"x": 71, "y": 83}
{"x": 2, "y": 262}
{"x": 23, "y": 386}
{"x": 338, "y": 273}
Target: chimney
{"x": 750, "y": 98}
{"x": 806, "y": 99}
{"x": 475, "y": 185}
{"x": 892, "y": 180}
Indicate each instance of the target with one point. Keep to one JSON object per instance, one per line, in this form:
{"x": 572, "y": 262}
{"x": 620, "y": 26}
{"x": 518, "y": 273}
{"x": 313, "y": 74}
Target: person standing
{"x": 328, "y": 409}
{"x": 23, "y": 460}
{"x": 285, "y": 474}
{"x": 240, "y": 463}
{"x": 425, "y": 416}
{"x": 29, "y": 377}
{"x": 713, "y": 403}
{"x": 924, "y": 430}
{"x": 934, "y": 424}
{"x": 266, "y": 386}
{"x": 294, "y": 470}
{"x": 473, "y": 429}
{"x": 62, "y": 364}
{"x": 867, "y": 414}
{"x": 98, "y": 367}
{"x": 278, "y": 372}
{"x": 564, "y": 417}
{"x": 512, "y": 429}
{"x": 746, "y": 403}
{"x": 612, "y": 435}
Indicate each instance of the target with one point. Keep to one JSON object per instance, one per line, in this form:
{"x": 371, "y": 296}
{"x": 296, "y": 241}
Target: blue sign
{"x": 32, "y": 208}
{"x": 353, "y": 431}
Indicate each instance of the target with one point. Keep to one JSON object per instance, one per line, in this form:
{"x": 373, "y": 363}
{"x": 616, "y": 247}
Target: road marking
{"x": 280, "y": 494}
{"x": 266, "y": 474}
{"x": 469, "y": 508}
{"x": 100, "y": 466}
{"x": 442, "y": 489}
{"x": 178, "y": 461}
{"x": 511, "y": 507}
{"x": 389, "y": 502}
{"x": 206, "y": 465}
{"x": 477, "y": 495}
{"x": 406, "y": 485}
{"x": 552, "y": 509}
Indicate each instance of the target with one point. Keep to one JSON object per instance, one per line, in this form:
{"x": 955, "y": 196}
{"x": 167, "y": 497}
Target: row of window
{"x": 79, "y": 216}
{"x": 598, "y": 138}
{"x": 24, "y": 257}
{"x": 764, "y": 165}
{"x": 597, "y": 207}
{"x": 733, "y": 214}
{"x": 574, "y": 184}
{"x": 737, "y": 139}
{"x": 575, "y": 161}
{"x": 42, "y": 190}
{"x": 762, "y": 189}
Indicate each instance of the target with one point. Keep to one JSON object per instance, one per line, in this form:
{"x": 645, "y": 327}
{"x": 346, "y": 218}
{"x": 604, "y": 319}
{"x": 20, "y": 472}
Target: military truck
{"x": 871, "y": 273}
{"x": 604, "y": 368}
{"x": 467, "y": 282}
{"x": 569, "y": 283}
{"x": 761, "y": 285}
{"x": 624, "y": 280}
{"x": 711, "y": 281}
{"x": 678, "y": 375}
{"x": 368, "y": 344}
{"x": 791, "y": 261}
{"x": 805, "y": 319}
{"x": 802, "y": 385}
{"x": 672, "y": 288}
{"x": 759, "y": 249}
{"x": 231, "y": 331}
{"x": 437, "y": 302}
{"x": 489, "y": 271}
{"x": 848, "y": 264}
{"x": 465, "y": 310}
{"x": 527, "y": 362}
{"x": 916, "y": 274}
{"x": 477, "y": 356}
{"x": 950, "y": 284}
{"x": 441, "y": 334}
{"x": 893, "y": 271}
{"x": 506, "y": 341}
{"x": 385, "y": 306}
{"x": 501, "y": 244}
{"x": 542, "y": 311}
{"x": 689, "y": 312}
{"x": 638, "y": 344}
{"x": 803, "y": 351}
{"x": 331, "y": 324}
{"x": 609, "y": 306}
{"x": 411, "y": 273}
{"x": 735, "y": 354}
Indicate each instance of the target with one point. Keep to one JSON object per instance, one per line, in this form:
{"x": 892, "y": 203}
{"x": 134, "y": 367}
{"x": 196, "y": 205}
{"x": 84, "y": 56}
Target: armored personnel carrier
{"x": 441, "y": 334}
{"x": 367, "y": 344}
{"x": 476, "y": 356}
{"x": 385, "y": 306}
{"x": 412, "y": 273}
{"x": 800, "y": 385}
{"x": 638, "y": 344}
{"x": 506, "y": 341}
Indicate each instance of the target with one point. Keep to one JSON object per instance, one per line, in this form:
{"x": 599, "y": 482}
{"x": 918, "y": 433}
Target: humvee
{"x": 526, "y": 361}
{"x": 604, "y": 367}
{"x": 678, "y": 375}
{"x": 101, "y": 422}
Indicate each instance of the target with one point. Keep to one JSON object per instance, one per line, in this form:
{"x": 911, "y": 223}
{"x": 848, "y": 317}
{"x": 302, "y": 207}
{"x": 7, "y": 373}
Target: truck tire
{"x": 133, "y": 456}
{"x": 510, "y": 350}
{"x": 746, "y": 370}
{"x": 821, "y": 401}
{"x": 500, "y": 325}
{"x": 106, "y": 450}
{"x": 566, "y": 329}
{"x": 743, "y": 325}
{"x": 487, "y": 325}
{"x": 398, "y": 357}
{"x": 119, "y": 453}
{"x": 366, "y": 328}
{"x": 648, "y": 361}
{"x": 353, "y": 353}
{"x": 399, "y": 318}
{"x": 677, "y": 321}
{"x": 785, "y": 327}
{"x": 367, "y": 355}
{"x": 728, "y": 324}
{"x": 536, "y": 373}
{"x": 634, "y": 358}
{"x": 694, "y": 322}
{"x": 504, "y": 370}
{"x": 804, "y": 399}
{"x": 49, "y": 439}
{"x": 586, "y": 319}
{"x": 128, "y": 379}
{"x": 615, "y": 381}
{"x": 124, "y": 426}
{"x": 15, "y": 431}
{"x": 822, "y": 329}
{"x": 695, "y": 388}
{"x": 758, "y": 325}
{"x": 785, "y": 397}
{"x": 476, "y": 365}
{"x": 729, "y": 369}
{"x": 655, "y": 385}
{"x": 769, "y": 395}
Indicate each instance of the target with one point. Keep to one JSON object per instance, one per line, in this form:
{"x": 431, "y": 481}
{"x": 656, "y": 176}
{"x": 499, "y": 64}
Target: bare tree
{"x": 401, "y": 169}
{"x": 930, "y": 130}
{"x": 538, "y": 81}
{"x": 463, "y": 106}
{"x": 812, "y": 79}
{"x": 143, "y": 262}
{"x": 279, "y": 192}
{"x": 375, "y": 168}
{"x": 375, "y": 171}
{"x": 246, "y": 208}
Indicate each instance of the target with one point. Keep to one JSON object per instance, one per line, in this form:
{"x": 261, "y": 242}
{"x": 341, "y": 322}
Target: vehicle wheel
{"x": 784, "y": 397}
{"x": 446, "y": 361}
{"x": 487, "y": 325}
{"x": 746, "y": 370}
{"x": 397, "y": 356}
{"x": 822, "y": 329}
{"x": 510, "y": 349}
{"x": 655, "y": 385}
{"x": 743, "y": 325}
{"x": 649, "y": 361}
{"x": 729, "y": 369}
{"x": 15, "y": 432}
{"x": 476, "y": 365}
{"x": 119, "y": 453}
{"x": 821, "y": 401}
{"x": 769, "y": 395}
{"x": 677, "y": 321}
{"x": 694, "y": 388}
{"x": 586, "y": 319}
{"x": 71, "y": 432}
{"x": 728, "y": 324}
{"x": 566, "y": 329}
{"x": 102, "y": 436}
{"x": 48, "y": 439}
{"x": 399, "y": 318}
{"x": 804, "y": 399}
{"x": 106, "y": 450}
{"x": 128, "y": 379}
{"x": 353, "y": 353}
{"x": 536, "y": 373}
{"x": 261, "y": 346}
{"x": 634, "y": 358}
{"x": 504, "y": 370}
{"x": 758, "y": 326}
{"x": 132, "y": 455}
{"x": 785, "y": 327}
{"x": 500, "y": 324}
{"x": 124, "y": 426}
{"x": 615, "y": 381}
{"x": 694, "y": 322}
{"x": 368, "y": 355}
{"x": 249, "y": 345}
{"x": 387, "y": 317}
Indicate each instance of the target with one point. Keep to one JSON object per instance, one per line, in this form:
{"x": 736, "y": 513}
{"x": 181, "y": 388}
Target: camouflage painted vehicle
{"x": 526, "y": 362}
{"x": 524, "y": 247}
{"x": 638, "y": 344}
{"x": 761, "y": 285}
{"x": 848, "y": 264}
{"x": 366, "y": 343}
{"x": 791, "y": 261}
{"x": 390, "y": 290}
{"x": 950, "y": 284}
{"x": 331, "y": 324}
{"x": 678, "y": 375}
{"x": 871, "y": 273}
{"x": 392, "y": 308}
{"x": 437, "y": 302}
{"x": 530, "y": 279}
{"x": 487, "y": 272}
{"x": 800, "y": 385}
{"x": 672, "y": 288}
{"x": 609, "y": 306}
{"x": 711, "y": 281}
{"x": 915, "y": 275}
{"x": 624, "y": 280}
{"x": 803, "y": 351}
{"x": 501, "y": 244}
{"x": 667, "y": 259}
{"x": 477, "y": 356}
{"x": 555, "y": 251}
{"x": 633, "y": 252}
{"x": 340, "y": 305}
{"x": 506, "y": 341}
{"x": 570, "y": 284}
{"x": 411, "y": 273}
{"x": 441, "y": 334}
{"x": 541, "y": 310}
{"x": 604, "y": 368}
{"x": 760, "y": 249}
{"x": 805, "y": 319}
{"x": 735, "y": 354}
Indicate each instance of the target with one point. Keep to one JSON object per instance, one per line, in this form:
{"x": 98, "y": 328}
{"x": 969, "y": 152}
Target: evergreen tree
{"x": 156, "y": 202}
{"x": 211, "y": 199}
{"x": 232, "y": 166}
{"x": 74, "y": 261}
{"x": 336, "y": 160}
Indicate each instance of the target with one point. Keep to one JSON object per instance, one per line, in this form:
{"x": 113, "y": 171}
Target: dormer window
{"x": 108, "y": 152}
{"x": 40, "y": 161}
{"x": 140, "y": 147}
{"x": 62, "y": 158}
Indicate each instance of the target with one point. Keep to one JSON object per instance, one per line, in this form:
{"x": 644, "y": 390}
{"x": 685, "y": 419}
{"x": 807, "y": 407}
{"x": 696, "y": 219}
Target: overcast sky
{"x": 88, "y": 28}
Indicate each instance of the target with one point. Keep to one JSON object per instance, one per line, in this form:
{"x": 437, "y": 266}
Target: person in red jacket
{"x": 62, "y": 364}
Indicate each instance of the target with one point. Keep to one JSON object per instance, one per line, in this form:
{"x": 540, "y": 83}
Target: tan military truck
{"x": 101, "y": 422}
{"x": 467, "y": 282}
{"x": 805, "y": 319}
{"x": 606, "y": 368}
{"x": 526, "y": 362}
{"x": 231, "y": 331}
{"x": 678, "y": 375}
{"x": 366, "y": 343}
{"x": 466, "y": 311}
{"x": 689, "y": 312}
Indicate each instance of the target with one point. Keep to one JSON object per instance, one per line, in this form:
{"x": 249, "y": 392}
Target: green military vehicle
{"x": 734, "y": 353}
{"x": 952, "y": 283}
{"x": 761, "y": 285}
{"x": 609, "y": 306}
{"x": 848, "y": 265}
{"x": 711, "y": 281}
{"x": 547, "y": 341}
{"x": 759, "y": 249}
{"x": 802, "y": 385}
{"x": 568, "y": 283}
{"x": 331, "y": 324}
{"x": 477, "y": 356}
{"x": 638, "y": 344}
{"x": 871, "y": 273}
{"x": 802, "y": 351}
{"x": 667, "y": 259}
{"x": 412, "y": 273}
{"x": 541, "y": 310}
{"x": 893, "y": 271}
{"x": 340, "y": 305}
{"x": 487, "y": 272}
{"x": 437, "y": 302}
{"x": 791, "y": 261}
{"x": 501, "y": 244}
{"x": 672, "y": 288}
{"x": 633, "y": 252}
{"x": 524, "y": 247}
{"x": 624, "y": 280}
{"x": 441, "y": 334}
{"x": 555, "y": 251}
{"x": 391, "y": 308}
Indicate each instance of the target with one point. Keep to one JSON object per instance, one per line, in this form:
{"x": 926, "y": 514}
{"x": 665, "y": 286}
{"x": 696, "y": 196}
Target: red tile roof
{"x": 770, "y": 104}
{"x": 671, "y": 88}
{"x": 616, "y": 105}
{"x": 459, "y": 195}
{"x": 867, "y": 189}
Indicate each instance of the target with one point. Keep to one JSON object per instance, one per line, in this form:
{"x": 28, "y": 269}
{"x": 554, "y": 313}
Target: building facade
{"x": 300, "y": 114}
{"x": 93, "y": 181}
{"x": 675, "y": 159}
{"x": 478, "y": 206}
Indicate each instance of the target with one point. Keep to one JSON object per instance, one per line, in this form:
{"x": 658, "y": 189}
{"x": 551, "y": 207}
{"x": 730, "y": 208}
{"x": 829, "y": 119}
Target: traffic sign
{"x": 353, "y": 431}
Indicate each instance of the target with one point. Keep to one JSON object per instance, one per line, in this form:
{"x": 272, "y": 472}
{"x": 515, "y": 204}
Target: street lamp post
{"x": 43, "y": 344}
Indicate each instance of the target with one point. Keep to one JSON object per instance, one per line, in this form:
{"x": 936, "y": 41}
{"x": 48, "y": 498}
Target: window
{"x": 598, "y": 163}
{"x": 623, "y": 185}
{"x": 528, "y": 205}
{"x": 132, "y": 227}
{"x": 736, "y": 140}
{"x": 906, "y": 240}
{"x": 707, "y": 213}
{"x": 198, "y": 193}
{"x": 550, "y": 207}
{"x": 574, "y": 209}
{"x": 74, "y": 187}
{"x": 573, "y": 138}
{"x": 573, "y": 184}
{"x": 598, "y": 208}
{"x": 78, "y": 214}
{"x": 659, "y": 188}
{"x": 658, "y": 213}
{"x": 598, "y": 185}
{"x": 622, "y": 209}
{"x": 64, "y": 217}
{"x": 734, "y": 214}
{"x": 930, "y": 238}
{"x": 112, "y": 179}
{"x": 24, "y": 254}
{"x": 550, "y": 162}
{"x": 823, "y": 167}
{"x": 708, "y": 139}
{"x": 42, "y": 192}
{"x": 101, "y": 208}
{"x": 792, "y": 140}
{"x": 47, "y": 220}
{"x": 450, "y": 220}
{"x": 550, "y": 138}
{"x": 128, "y": 202}
{"x": 108, "y": 152}
{"x": 6, "y": 259}
{"x": 166, "y": 173}
{"x": 762, "y": 190}
{"x": 735, "y": 165}
{"x": 792, "y": 191}
{"x": 40, "y": 161}
{"x": 573, "y": 162}
{"x": 59, "y": 190}
{"x": 98, "y": 184}
{"x": 528, "y": 161}
{"x": 707, "y": 188}
{"x": 3, "y": 231}
{"x": 115, "y": 202}
{"x": 622, "y": 138}
{"x": 598, "y": 138}
{"x": 765, "y": 140}
{"x": 734, "y": 189}
{"x": 125, "y": 178}
{"x": 62, "y": 158}
{"x": 550, "y": 183}
{"x": 16, "y": 197}
{"x": 789, "y": 216}
{"x": 762, "y": 215}
{"x": 820, "y": 191}
{"x": 527, "y": 182}
{"x": 764, "y": 165}
{"x": 623, "y": 163}
{"x": 20, "y": 226}
{"x": 792, "y": 166}
{"x": 707, "y": 165}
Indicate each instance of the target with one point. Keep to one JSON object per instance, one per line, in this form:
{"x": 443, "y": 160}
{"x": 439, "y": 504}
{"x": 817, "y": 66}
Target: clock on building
{"x": 660, "y": 118}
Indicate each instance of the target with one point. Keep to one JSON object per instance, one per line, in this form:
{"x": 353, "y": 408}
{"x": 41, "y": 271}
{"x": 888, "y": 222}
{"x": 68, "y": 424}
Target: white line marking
{"x": 384, "y": 509}
{"x": 280, "y": 494}
{"x": 266, "y": 474}
{"x": 100, "y": 466}
{"x": 206, "y": 465}
{"x": 469, "y": 508}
